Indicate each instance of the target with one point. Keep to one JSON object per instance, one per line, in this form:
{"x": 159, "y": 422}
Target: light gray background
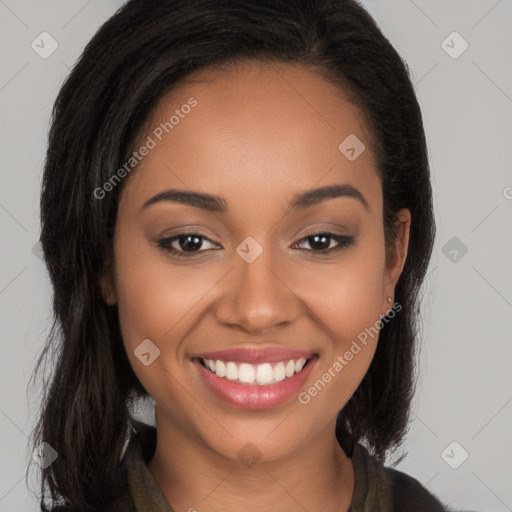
{"x": 465, "y": 392}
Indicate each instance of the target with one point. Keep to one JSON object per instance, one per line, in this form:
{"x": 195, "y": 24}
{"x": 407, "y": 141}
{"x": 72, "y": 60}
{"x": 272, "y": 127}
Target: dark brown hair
{"x": 137, "y": 56}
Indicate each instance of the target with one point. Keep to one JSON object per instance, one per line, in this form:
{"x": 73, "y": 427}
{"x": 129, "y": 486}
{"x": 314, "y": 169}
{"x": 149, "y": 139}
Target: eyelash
{"x": 343, "y": 242}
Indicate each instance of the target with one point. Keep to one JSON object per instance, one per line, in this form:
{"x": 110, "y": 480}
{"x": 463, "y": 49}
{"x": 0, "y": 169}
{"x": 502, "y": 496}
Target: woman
{"x": 237, "y": 219}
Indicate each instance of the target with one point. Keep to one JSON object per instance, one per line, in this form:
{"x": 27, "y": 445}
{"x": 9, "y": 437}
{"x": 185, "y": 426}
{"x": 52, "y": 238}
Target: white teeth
{"x": 264, "y": 374}
{"x": 299, "y": 364}
{"x": 290, "y": 368}
{"x": 279, "y": 372}
{"x": 261, "y": 374}
{"x": 246, "y": 373}
{"x": 220, "y": 369}
{"x": 231, "y": 371}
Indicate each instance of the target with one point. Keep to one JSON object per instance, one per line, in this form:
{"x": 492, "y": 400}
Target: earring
{"x": 390, "y": 300}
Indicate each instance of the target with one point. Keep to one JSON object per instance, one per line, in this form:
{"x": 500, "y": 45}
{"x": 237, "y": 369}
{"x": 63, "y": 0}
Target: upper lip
{"x": 256, "y": 355}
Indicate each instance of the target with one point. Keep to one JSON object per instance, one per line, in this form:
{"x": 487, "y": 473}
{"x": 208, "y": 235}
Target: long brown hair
{"x": 137, "y": 56}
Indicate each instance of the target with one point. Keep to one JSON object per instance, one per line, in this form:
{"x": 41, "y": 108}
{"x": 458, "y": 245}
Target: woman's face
{"x": 251, "y": 285}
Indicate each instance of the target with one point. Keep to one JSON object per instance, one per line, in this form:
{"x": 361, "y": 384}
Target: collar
{"x": 372, "y": 492}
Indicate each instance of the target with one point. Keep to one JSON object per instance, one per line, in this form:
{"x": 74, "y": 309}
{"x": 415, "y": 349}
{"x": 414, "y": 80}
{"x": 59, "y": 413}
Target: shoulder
{"x": 409, "y": 494}
{"x": 387, "y": 489}
{"x": 139, "y": 449}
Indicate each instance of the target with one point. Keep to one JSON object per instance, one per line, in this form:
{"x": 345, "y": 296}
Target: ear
{"x": 108, "y": 289}
{"x": 396, "y": 256}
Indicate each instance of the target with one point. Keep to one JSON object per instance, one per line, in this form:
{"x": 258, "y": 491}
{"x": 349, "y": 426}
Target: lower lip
{"x": 255, "y": 396}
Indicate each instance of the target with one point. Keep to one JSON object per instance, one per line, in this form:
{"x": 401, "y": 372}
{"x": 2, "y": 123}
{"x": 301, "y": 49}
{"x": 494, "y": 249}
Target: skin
{"x": 259, "y": 134}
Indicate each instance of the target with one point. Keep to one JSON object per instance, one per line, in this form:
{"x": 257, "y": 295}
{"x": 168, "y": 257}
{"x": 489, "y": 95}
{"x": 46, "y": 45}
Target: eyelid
{"x": 342, "y": 241}
{"x": 165, "y": 243}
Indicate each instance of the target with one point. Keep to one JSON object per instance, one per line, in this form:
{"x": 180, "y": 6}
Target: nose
{"x": 257, "y": 296}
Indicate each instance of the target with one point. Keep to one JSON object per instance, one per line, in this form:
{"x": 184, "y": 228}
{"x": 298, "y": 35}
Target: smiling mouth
{"x": 255, "y": 374}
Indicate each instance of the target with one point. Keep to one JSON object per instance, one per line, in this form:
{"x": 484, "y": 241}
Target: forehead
{"x": 269, "y": 128}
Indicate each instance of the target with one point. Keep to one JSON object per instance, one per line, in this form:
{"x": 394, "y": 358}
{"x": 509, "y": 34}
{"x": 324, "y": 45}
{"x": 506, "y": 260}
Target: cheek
{"x": 161, "y": 302}
{"x": 345, "y": 297}
{"x": 351, "y": 323}
{"x": 155, "y": 298}
{"x": 153, "y": 303}
{"x": 346, "y": 301}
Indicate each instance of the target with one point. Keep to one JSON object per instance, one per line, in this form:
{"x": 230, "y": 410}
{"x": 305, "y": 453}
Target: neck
{"x": 192, "y": 476}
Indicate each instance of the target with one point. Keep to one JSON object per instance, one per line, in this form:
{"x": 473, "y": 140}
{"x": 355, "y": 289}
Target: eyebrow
{"x": 299, "y": 201}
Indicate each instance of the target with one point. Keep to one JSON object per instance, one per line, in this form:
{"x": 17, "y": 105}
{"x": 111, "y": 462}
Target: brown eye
{"x": 183, "y": 243}
{"x": 322, "y": 242}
